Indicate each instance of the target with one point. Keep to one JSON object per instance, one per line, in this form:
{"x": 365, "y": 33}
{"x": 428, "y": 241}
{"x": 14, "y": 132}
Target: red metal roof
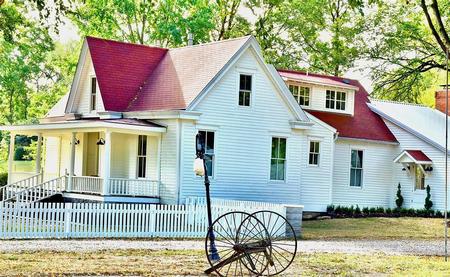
{"x": 364, "y": 124}
{"x": 121, "y": 68}
{"x": 418, "y": 155}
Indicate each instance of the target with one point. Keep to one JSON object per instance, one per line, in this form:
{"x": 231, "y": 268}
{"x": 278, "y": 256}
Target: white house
{"x": 126, "y": 132}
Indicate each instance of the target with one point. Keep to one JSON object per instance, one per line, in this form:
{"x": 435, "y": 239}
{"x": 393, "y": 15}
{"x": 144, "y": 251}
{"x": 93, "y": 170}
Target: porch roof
{"x": 130, "y": 124}
{"x": 413, "y": 156}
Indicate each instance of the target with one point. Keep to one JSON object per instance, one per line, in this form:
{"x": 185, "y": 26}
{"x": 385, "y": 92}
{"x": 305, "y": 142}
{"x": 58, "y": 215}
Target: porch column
{"x": 72, "y": 161}
{"x": 38, "y": 154}
{"x": 158, "y": 164}
{"x": 12, "y": 142}
{"x": 107, "y": 162}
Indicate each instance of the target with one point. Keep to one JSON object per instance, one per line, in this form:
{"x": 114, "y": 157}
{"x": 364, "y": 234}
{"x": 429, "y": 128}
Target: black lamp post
{"x": 200, "y": 153}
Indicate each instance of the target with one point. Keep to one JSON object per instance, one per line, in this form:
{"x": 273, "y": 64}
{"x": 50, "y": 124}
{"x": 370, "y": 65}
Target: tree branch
{"x": 431, "y": 25}
{"x": 438, "y": 16}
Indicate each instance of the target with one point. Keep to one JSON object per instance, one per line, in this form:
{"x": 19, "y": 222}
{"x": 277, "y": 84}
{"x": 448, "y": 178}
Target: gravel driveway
{"x": 390, "y": 247}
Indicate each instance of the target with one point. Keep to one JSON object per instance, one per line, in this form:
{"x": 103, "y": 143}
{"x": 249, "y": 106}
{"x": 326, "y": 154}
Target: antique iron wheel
{"x": 238, "y": 244}
{"x": 283, "y": 241}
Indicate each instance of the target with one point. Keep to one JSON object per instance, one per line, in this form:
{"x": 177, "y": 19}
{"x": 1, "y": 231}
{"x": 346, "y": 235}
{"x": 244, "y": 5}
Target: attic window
{"x": 93, "y": 93}
{"x": 335, "y": 100}
{"x": 301, "y": 94}
{"x": 245, "y": 89}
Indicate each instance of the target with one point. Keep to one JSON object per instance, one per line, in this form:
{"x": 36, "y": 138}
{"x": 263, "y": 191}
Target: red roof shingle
{"x": 364, "y": 124}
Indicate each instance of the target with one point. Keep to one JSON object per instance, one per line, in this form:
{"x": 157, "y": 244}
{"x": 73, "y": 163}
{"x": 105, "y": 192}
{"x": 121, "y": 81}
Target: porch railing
{"x": 10, "y": 190}
{"x": 134, "y": 187}
{"x": 40, "y": 191}
{"x": 87, "y": 184}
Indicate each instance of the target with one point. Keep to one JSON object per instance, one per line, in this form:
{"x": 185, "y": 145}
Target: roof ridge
{"x": 398, "y": 102}
{"x": 211, "y": 42}
{"x": 128, "y": 43}
{"x": 315, "y": 74}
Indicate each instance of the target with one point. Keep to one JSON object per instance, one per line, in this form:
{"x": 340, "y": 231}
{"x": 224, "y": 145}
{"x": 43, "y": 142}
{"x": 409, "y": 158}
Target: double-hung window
{"x": 142, "y": 157}
{"x": 335, "y": 100}
{"x": 208, "y": 138}
{"x": 93, "y": 93}
{"x": 301, "y": 94}
{"x": 278, "y": 159}
{"x": 245, "y": 89}
{"x": 356, "y": 168}
{"x": 314, "y": 152}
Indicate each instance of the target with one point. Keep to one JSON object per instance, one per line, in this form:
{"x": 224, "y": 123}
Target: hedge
{"x": 355, "y": 211}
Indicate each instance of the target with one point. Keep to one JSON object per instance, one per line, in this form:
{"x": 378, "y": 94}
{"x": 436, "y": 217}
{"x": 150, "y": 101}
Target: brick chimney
{"x": 439, "y": 99}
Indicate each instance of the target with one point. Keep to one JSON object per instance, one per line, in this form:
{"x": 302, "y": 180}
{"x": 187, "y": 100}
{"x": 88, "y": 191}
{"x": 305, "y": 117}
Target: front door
{"x": 92, "y": 154}
{"x": 419, "y": 192}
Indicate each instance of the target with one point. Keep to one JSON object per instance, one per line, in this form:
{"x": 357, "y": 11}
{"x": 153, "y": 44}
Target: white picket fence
{"x": 100, "y": 220}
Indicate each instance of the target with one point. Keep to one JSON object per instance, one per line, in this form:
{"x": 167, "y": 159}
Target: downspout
{"x": 179, "y": 158}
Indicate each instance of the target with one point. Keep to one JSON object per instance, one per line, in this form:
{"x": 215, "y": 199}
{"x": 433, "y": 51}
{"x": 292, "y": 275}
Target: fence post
{"x": 1, "y": 219}
{"x": 67, "y": 219}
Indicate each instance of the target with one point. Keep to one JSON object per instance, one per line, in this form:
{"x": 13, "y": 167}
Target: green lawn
{"x": 18, "y": 166}
{"x": 163, "y": 263}
{"x": 374, "y": 228}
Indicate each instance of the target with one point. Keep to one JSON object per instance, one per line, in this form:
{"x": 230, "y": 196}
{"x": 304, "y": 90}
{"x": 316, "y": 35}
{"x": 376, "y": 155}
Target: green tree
{"x": 22, "y": 57}
{"x": 407, "y": 46}
{"x": 428, "y": 203}
{"x": 145, "y": 21}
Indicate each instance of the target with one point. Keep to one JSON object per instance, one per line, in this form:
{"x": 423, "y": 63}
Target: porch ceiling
{"x": 125, "y": 125}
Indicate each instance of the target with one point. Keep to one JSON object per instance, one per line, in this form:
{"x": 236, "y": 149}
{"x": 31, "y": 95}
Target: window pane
{"x": 280, "y": 166}
{"x": 93, "y": 85}
{"x": 275, "y": 147}
{"x": 209, "y": 142}
{"x": 245, "y": 82}
{"x": 273, "y": 169}
{"x": 209, "y": 160}
{"x": 282, "y": 153}
{"x": 246, "y": 98}
{"x": 358, "y": 177}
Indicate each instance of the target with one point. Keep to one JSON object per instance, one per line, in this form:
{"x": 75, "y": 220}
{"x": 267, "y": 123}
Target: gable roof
{"x": 183, "y": 73}
{"x": 423, "y": 122}
{"x": 364, "y": 124}
{"x": 415, "y": 156}
{"x": 121, "y": 68}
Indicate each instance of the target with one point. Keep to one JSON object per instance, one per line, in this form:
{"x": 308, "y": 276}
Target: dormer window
{"x": 93, "y": 93}
{"x": 335, "y": 100}
{"x": 245, "y": 89}
{"x": 301, "y": 94}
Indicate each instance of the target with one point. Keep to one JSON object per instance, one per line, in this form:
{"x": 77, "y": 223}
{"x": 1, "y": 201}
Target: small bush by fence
{"x": 103, "y": 220}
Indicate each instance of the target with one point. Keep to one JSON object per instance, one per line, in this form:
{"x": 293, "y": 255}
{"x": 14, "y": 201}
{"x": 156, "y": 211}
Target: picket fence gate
{"x": 105, "y": 220}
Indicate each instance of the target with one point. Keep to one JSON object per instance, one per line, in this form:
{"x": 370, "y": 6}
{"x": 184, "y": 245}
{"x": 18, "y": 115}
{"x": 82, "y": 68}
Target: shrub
{"x": 399, "y": 200}
{"x": 3, "y": 178}
{"x": 380, "y": 210}
{"x": 388, "y": 211}
{"x": 373, "y": 210}
{"x": 330, "y": 208}
{"x": 365, "y": 211}
{"x": 428, "y": 202}
{"x": 357, "y": 210}
{"x": 438, "y": 214}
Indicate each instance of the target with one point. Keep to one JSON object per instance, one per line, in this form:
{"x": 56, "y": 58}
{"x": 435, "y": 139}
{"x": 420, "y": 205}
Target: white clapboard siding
{"x": 243, "y": 144}
{"x": 377, "y": 187}
{"x": 103, "y": 220}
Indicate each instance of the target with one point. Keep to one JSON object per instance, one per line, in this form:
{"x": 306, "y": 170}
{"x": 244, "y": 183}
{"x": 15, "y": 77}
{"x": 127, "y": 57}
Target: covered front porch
{"x": 99, "y": 160}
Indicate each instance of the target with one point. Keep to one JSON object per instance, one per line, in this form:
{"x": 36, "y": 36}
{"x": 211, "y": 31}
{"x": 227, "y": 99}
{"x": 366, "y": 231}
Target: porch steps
{"x": 35, "y": 193}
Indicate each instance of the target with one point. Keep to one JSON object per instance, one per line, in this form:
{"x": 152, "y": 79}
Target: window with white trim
{"x": 420, "y": 178}
{"x": 314, "y": 152}
{"x": 245, "y": 89}
{"x": 278, "y": 159}
{"x": 142, "y": 157}
{"x": 356, "y": 168}
{"x": 335, "y": 100}
{"x": 93, "y": 93}
{"x": 301, "y": 94}
{"x": 208, "y": 137}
